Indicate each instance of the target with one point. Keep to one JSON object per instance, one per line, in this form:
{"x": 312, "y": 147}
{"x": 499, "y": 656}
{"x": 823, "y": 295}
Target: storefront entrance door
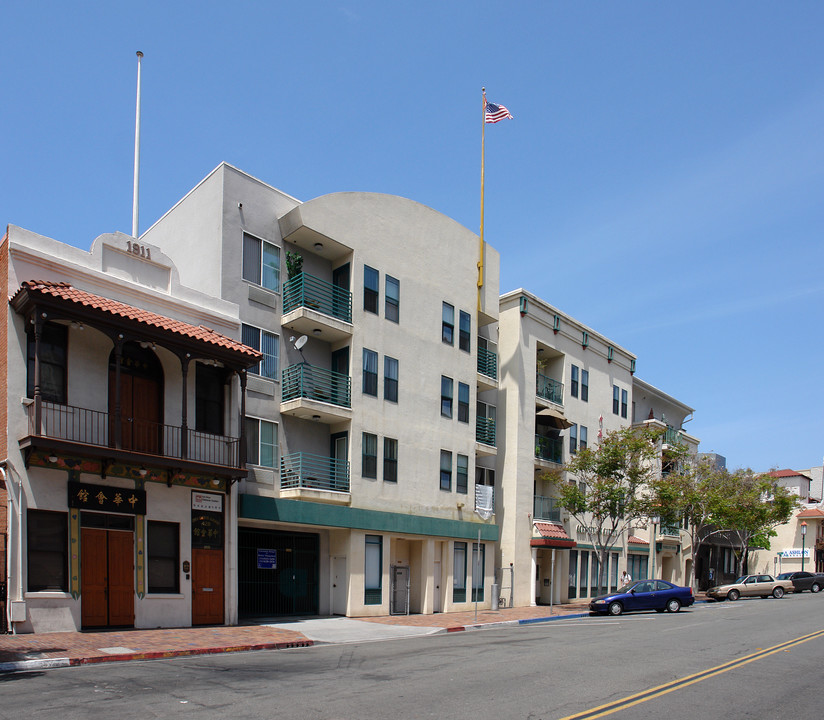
{"x": 207, "y": 587}
{"x": 106, "y": 578}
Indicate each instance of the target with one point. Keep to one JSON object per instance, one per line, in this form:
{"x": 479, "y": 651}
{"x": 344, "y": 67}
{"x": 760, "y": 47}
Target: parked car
{"x": 802, "y": 581}
{"x": 751, "y": 586}
{"x": 657, "y": 595}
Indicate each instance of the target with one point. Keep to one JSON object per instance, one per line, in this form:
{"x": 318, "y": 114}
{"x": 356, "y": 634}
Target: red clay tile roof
{"x": 552, "y": 535}
{"x": 634, "y": 540}
{"x": 68, "y": 293}
{"x": 814, "y": 513}
{"x": 786, "y": 473}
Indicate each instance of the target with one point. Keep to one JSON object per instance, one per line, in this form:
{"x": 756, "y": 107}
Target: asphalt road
{"x": 750, "y": 659}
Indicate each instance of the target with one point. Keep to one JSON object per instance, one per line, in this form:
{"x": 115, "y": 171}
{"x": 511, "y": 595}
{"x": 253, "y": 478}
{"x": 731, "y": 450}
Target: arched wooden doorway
{"x": 141, "y": 399}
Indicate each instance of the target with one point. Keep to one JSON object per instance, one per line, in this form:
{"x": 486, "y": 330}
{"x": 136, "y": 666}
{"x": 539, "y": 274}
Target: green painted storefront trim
{"x": 301, "y": 512}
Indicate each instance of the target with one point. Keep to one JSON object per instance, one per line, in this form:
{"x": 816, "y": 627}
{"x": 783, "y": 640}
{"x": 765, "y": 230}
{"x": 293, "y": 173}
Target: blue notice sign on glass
{"x": 267, "y": 559}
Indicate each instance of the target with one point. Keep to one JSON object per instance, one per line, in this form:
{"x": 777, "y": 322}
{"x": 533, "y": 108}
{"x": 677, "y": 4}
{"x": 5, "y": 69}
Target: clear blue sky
{"x": 661, "y": 181}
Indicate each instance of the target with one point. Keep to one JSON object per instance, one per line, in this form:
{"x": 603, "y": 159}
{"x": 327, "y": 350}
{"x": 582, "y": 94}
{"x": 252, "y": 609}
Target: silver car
{"x": 751, "y": 586}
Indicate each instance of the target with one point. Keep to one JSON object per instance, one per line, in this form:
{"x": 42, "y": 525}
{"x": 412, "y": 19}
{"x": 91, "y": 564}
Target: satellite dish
{"x": 300, "y": 342}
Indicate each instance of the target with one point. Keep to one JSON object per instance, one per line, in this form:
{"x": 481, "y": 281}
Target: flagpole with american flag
{"x": 490, "y": 113}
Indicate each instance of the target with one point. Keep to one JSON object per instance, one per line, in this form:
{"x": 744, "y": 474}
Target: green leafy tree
{"x": 611, "y": 489}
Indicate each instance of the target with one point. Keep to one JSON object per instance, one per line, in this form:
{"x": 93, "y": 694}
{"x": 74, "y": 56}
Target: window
{"x": 446, "y": 396}
{"x": 208, "y": 399}
{"x": 464, "y": 330}
{"x": 573, "y": 439}
{"x": 53, "y": 352}
{"x": 585, "y": 385}
{"x": 446, "y": 470}
{"x": 390, "y": 379}
{"x": 261, "y": 442}
{"x": 390, "y": 460}
{"x": 48, "y": 540}
{"x": 163, "y": 557}
{"x": 448, "y": 324}
{"x": 459, "y": 573}
{"x": 261, "y": 262}
{"x": 616, "y": 394}
{"x": 369, "y": 456}
{"x": 393, "y": 299}
{"x": 574, "y": 381}
{"x": 478, "y": 562}
{"x": 373, "y": 570}
{"x": 371, "y": 291}
{"x": 370, "y": 372}
{"x": 624, "y": 403}
{"x": 582, "y": 438}
{"x": 572, "y": 591}
{"x": 462, "y": 474}
{"x": 463, "y": 402}
{"x": 265, "y": 342}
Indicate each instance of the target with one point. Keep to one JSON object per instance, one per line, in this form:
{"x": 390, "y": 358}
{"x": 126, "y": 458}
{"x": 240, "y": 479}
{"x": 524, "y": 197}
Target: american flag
{"x": 495, "y": 113}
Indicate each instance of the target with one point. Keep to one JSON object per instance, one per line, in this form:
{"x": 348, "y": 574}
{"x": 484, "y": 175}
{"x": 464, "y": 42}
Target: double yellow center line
{"x": 638, "y": 698}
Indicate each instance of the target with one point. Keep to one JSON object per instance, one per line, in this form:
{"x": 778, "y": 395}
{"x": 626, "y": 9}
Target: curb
{"x": 49, "y": 663}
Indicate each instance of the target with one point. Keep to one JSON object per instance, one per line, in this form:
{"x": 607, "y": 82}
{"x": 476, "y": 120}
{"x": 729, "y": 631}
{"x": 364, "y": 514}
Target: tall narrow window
{"x": 573, "y": 439}
{"x": 47, "y": 550}
{"x": 464, "y": 330}
{"x": 393, "y": 299}
{"x": 369, "y": 464}
{"x": 390, "y": 460}
{"x": 446, "y": 396}
{"x": 163, "y": 557}
{"x": 446, "y": 470}
{"x": 261, "y": 262}
{"x": 209, "y": 399}
{"x": 448, "y": 324}
{"x": 478, "y": 563}
{"x": 459, "y": 573}
{"x": 582, "y": 438}
{"x": 390, "y": 379}
{"x": 261, "y": 442}
{"x": 373, "y": 570}
{"x": 371, "y": 289}
{"x": 463, "y": 402}
{"x": 370, "y": 372}
{"x": 624, "y": 400}
{"x": 53, "y": 347}
{"x": 573, "y": 388}
{"x": 462, "y": 474}
{"x": 267, "y": 343}
{"x": 585, "y": 385}
{"x": 616, "y": 394}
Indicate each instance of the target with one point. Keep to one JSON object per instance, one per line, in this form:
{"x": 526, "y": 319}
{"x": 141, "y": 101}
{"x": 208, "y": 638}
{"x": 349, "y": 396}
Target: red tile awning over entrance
{"x": 811, "y": 514}
{"x": 65, "y": 298}
{"x": 552, "y": 536}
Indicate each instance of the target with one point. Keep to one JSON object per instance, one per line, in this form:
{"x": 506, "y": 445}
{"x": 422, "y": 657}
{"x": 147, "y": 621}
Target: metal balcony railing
{"x": 488, "y": 363}
{"x": 550, "y": 389}
{"x": 551, "y": 449}
{"x": 673, "y": 530}
{"x": 316, "y": 472}
{"x": 309, "y": 291}
{"x": 97, "y": 429}
{"x": 485, "y": 431}
{"x": 672, "y": 436}
{"x": 546, "y": 508}
{"x": 315, "y": 383}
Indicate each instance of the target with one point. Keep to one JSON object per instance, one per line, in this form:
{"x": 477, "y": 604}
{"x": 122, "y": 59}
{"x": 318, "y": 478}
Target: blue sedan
{"x": 657, "y": 595}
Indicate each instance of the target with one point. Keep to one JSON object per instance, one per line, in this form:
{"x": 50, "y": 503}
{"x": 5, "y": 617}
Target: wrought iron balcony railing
{"x": 485, "y": 431}
{"x": 488, "y": 363}
{"x": 551, "y": 449}
{"x": 315, "y": 383}
{"x": 309, "y": 291}
{"x": 550, "y": 389}
{"x": 546, "y": 508}
{"x": 315, "y": 472}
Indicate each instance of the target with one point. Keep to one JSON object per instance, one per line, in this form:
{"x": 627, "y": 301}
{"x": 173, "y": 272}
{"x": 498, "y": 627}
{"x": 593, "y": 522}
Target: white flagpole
{"x": 136, "y": 153}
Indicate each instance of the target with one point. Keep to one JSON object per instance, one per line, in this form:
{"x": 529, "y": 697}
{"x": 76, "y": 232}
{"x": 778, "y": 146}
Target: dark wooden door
{"x": 141, "y": 400}
{"x": 107, "y": 578}
{"x": 207, "y": 587}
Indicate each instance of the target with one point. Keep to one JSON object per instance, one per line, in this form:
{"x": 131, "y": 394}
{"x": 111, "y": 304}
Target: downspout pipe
{"x": 17, "y": 506}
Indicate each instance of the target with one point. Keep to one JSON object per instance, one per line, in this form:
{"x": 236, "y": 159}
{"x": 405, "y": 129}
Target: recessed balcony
{"x": 315, "y": 393}
{"x": 546, "y": 508}
{"x": 548, "y": 390}
{"x": 305, "y": 476}
{"x": 317, "y": 308}
{"x": 485, "y": 436}
{"x": 82, "y": 431}
{"x": 549, "y": 450}
{"x": 487, "y": 369}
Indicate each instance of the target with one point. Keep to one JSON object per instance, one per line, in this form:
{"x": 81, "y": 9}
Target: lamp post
{"x": 803, "y": 542}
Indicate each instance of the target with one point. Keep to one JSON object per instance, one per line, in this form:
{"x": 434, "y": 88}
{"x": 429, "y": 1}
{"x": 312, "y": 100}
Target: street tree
{"x": 611, "y": 489}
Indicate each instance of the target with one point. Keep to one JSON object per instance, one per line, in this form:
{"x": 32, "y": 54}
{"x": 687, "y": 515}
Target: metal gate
{"x": 399, "y": 599}
{"x": 277, "y": 573}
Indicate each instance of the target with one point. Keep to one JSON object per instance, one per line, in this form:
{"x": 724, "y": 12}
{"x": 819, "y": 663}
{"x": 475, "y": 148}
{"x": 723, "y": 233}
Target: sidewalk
{"x": 38, "y": 651}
